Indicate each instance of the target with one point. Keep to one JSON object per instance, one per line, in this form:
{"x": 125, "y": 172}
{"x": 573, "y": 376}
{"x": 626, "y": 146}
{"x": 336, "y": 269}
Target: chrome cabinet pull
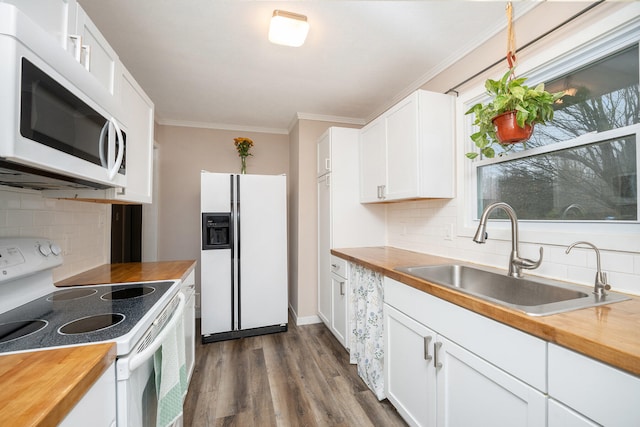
{"x": 335, "y": 266}
{"x": 77, "y": 46}
{"x": 436, "y": 347}
{"x": 427, "y": 341}
{"x": 327, "y": 164}
{"x": 342, "y": 288}
{"x": 86, "y": 57}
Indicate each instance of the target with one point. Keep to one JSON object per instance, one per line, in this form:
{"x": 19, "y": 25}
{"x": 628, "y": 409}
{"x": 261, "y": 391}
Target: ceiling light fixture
{"x": 288, "y": 28}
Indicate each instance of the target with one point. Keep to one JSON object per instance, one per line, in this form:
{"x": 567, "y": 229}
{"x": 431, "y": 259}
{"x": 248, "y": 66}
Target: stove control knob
{"x": 55, "y": 249}
{"x": 44, "y": 250}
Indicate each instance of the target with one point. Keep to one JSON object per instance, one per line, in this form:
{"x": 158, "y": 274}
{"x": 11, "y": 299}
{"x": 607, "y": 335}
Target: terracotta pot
{"x": 508, "y": 131}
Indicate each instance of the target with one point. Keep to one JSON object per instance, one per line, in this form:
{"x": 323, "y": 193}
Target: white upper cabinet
{"x": 137, "y": 117}
{"x": 373, "y": 163}
{"x": 54, "y": 16}
{"x": 92, "y": 50}
{"x": 407, "y": 153}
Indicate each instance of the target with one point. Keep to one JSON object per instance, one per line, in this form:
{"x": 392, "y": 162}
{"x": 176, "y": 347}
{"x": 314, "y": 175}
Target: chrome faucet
{"x": 601, "y": 284}
{"x": 516, "y": 264}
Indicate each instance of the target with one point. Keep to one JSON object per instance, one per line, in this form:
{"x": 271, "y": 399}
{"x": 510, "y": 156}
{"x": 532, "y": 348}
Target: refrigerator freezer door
{"x": 263, "y": 250}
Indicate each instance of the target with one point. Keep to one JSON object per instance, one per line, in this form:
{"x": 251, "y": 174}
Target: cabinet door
{"x": 324, "y": 246}
{"x": 561, "y": 416}
{"x": 339, "y": 292}
{"x": 98, "y": 406}
{"x": 601, "y": 392}
{"x": 137, "y": 116}
{"x": 52, "y": 16}
{"x": 373, "y": 163}
{"x": 324, "y": 154}
{"x": 473, "y": 392}
{"x": 402, "y": 149}
{"x": 95, "y": 52}
{"x": 410, "y": 377}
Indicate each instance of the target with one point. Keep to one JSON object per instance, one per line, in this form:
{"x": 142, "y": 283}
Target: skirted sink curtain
{"x": 366, "y": 339}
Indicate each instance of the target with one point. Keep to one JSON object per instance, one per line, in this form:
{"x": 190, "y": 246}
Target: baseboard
{"x": 306, "y": 320}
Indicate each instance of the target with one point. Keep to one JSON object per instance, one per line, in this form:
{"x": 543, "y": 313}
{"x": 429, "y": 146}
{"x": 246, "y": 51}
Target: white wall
{"x": 81, "y": 229}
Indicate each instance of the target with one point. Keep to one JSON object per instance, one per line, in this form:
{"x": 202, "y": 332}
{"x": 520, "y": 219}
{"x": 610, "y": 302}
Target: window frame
{"x": 548, "y": 62}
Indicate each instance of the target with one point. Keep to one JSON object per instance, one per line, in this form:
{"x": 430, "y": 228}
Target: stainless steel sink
{"x": 535, "y": 297}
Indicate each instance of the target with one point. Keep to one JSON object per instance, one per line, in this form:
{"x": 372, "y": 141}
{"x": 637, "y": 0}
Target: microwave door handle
{"x": 136, "y": 361}
{"x": 103, "y": 132}
{"x": 120, "y": 147}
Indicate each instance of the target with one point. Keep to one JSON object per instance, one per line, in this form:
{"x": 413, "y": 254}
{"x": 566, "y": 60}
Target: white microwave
{"x": 55, "y": 117}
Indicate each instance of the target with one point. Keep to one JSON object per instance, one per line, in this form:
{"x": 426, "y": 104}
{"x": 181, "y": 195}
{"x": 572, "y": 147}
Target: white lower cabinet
{"x": 596, "y": 391}
{"x": 410, "y": 377}
{"x": 339, "y": 305}
{"x": 561, "y": 416}
{"x": 433, "y": 380}
{"x": 98, "y": 406}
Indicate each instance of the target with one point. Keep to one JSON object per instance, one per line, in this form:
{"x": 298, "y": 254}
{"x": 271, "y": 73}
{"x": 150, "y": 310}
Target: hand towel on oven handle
{"x": 171, "y": 373}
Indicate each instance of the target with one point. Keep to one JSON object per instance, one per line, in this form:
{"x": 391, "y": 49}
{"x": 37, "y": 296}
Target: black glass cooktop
{"x": 78, "y": 315}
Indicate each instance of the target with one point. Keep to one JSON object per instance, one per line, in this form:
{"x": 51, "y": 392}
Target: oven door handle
{"x": 136, "y": 361}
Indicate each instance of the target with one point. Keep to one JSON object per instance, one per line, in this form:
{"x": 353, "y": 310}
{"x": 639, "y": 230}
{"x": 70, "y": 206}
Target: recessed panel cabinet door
{"x": 410, "y": 378}
{"x": 402, "y": 149}
{"x": 324, "y": 248}
{"x": 373, "y": 162}
{"x": 472, "y": 392}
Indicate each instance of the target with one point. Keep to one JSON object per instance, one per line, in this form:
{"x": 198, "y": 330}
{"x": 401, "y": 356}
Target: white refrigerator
{"x": 243, "y": 262}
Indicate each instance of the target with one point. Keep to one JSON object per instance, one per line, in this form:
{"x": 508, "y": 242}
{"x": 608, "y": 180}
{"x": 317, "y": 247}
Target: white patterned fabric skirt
{"x": 366, "y": 327}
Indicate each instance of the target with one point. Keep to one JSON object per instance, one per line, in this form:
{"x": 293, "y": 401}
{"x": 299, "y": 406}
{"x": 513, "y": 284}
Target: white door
{"x": 324, "y": 246}
{"x": 216, "y": 293}
{"x": 410, "y": 377}
{"x": 472, "y": 392}
{"x": 262, "y": 230}
{"x": 402, "y": 149}
{"x": 561, "y": 416}
{"x": 339, "y": 292}
{"x": 373, "y": 166}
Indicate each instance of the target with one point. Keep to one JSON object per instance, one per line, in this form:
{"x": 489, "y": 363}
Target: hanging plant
{"x": 514, "y": 109}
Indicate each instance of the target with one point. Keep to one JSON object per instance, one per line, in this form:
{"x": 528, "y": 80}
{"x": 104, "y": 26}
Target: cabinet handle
{"x": 335, "y": 266}
{"x": 427, "y": 341}
{"x": 327, "y": 164}
{"x": 327, "y": 181}
{"x": 381, "y": 191}
{"x": 436, "y": 347}
{"x": 87, "y": 56}
{"x": 77, "y": 46}
{"x": 342, "y": 288}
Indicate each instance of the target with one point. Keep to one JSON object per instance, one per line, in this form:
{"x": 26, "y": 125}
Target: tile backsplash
{"x": 429, "y": 226}
{"x": 81, "y": 229}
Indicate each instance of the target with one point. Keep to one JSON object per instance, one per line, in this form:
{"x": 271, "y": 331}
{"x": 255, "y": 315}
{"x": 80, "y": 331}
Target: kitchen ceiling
{"x": 209, "y": 63}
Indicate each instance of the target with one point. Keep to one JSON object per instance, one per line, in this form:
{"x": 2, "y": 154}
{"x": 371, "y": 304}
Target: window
{"x": 583, "y": 166}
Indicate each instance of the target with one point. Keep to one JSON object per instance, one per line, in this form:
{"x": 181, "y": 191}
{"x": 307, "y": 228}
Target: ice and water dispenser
{"x": 216, "y": 230}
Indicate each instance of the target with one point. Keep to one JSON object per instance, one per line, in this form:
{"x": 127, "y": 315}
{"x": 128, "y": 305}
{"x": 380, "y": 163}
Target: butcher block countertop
{"x": 39, "y": 388}
{"x": 131, "y": 272}
{"x": 609, "y": 333}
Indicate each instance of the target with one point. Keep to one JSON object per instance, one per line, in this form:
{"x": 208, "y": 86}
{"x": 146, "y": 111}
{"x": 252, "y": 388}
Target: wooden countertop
{"x": 609, "y": 333}
{"x": 39, "y": 388}
{"x": 131, "y": 272}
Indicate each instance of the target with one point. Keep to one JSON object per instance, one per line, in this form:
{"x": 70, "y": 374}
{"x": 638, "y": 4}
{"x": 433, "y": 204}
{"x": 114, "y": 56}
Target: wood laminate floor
{"x": 301, "y": 377}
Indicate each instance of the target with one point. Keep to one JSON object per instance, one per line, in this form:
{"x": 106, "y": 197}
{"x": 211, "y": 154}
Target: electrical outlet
{"x": 448, "y": 232}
